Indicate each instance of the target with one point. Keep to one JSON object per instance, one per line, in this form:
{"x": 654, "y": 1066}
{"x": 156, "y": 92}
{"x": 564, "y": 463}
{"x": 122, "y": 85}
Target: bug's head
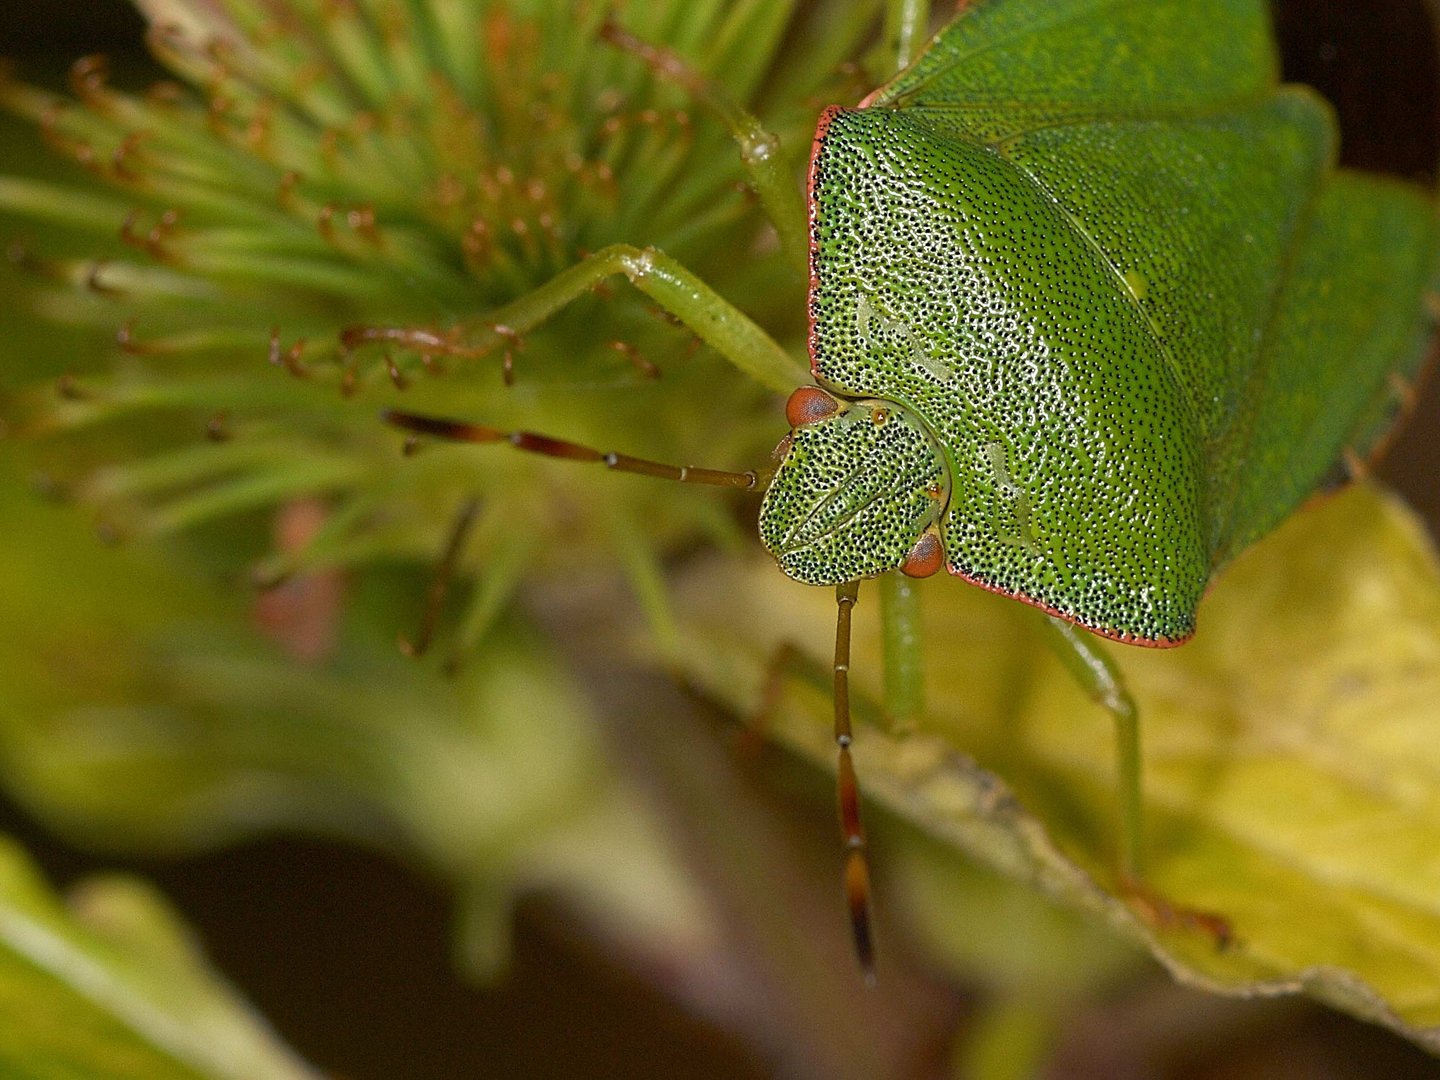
{"x": 859, "y": 484}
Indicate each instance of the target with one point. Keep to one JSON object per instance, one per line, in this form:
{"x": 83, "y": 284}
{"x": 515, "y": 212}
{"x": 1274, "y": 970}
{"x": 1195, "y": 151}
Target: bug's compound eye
{"x": 878, "y": 417}
{"x": 926, "y": 557}
{"x": 810, "y": 405}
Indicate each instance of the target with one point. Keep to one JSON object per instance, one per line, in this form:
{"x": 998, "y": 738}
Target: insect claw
{"x": 396, "y": 375}
{"x": 93, "y": 282}
{"x": 66, "y": 387}
{"x": 289, "y": 359}
{"x": 1159, "y": 912}
{"x": 631, "y": 353}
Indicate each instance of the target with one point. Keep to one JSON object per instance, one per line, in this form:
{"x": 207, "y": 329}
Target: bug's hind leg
{"x": 1099, "y": 678}
{"x": 676, "y": 291}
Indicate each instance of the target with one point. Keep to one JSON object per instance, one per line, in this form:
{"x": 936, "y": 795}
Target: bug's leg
{"x": 900, "y": 644}
{"x": 439, "y": 589}
{"x": 505, "y": 566}
{"x": 1098, "y": 677}
{"x": 847, "y": 788}
{"x": 786, "y": 662}
{"x": 907, "y": 25}
{"x": 857, "y": 870}
{"x": 769, "y": 171}
{"x": 675, "y": 289}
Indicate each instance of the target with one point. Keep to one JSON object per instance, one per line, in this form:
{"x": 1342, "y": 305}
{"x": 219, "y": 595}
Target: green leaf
{"x": 110, "y": 986}
{"x": 1292, "y": 769}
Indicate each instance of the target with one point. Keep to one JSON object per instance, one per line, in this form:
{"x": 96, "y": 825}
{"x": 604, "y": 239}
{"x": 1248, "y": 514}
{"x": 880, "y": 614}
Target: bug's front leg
{"x": 1102, "y": 681}
{"x": 903, "y": 664}
{"x": 900, "y": 643}
{"x": 702, "y": 310}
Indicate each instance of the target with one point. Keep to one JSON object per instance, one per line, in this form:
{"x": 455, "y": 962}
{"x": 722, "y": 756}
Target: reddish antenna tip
{"x": 857, "y": 895}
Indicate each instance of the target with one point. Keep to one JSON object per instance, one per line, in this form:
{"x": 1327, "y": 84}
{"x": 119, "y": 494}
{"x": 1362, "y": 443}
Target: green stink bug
{"x": 1091, "y": 310}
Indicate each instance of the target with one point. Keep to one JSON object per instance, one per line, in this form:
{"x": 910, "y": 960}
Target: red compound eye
{"x": 925, "y": 558}
{"x": 810, "y": 405}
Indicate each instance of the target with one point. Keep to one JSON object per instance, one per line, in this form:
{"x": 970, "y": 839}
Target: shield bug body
{"x": 1091, "y": 310}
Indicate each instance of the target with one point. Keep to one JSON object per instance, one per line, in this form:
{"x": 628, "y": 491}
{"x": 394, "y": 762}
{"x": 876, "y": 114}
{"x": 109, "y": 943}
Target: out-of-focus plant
{"x": 330, "y": 207}
{"x": 330, "y": 170}
{"x": 338, "y": 205}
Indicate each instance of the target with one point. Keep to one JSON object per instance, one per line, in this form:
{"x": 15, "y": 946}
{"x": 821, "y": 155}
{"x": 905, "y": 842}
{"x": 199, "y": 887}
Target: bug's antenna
{"x": 461, "y": 431}
{"x": 439, "y": 588}
{"x": 857, "y": 864}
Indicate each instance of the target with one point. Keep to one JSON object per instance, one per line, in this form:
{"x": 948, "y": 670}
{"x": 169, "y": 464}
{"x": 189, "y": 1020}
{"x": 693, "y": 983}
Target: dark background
{"x": 348, "y": 954}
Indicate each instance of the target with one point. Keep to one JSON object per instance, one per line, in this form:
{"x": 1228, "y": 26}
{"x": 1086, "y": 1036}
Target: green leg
{"x": 1099, "y": 678}
{"x": 907, "y": 26}
{"x": 1082, "y": 655}
{"x": 705, "y": 312}
{"x": 900, "y": 641}
{"x": 771, "y": 173}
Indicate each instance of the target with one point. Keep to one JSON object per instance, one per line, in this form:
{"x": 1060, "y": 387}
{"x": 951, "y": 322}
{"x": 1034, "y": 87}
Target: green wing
{"x": 1107, "y": 260}
{"x": 1006, "y": 66}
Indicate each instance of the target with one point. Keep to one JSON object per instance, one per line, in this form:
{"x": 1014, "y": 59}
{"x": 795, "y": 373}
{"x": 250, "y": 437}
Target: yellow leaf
{"x": 1292, "y": 753}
